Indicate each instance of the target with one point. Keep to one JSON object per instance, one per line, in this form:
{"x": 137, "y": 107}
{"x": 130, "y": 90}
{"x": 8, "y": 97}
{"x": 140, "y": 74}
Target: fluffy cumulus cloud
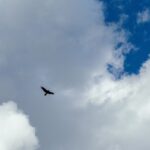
{"x": 67, "y": 46}
{"x": 16, "y": 133}
{"x": 143, "y": 16}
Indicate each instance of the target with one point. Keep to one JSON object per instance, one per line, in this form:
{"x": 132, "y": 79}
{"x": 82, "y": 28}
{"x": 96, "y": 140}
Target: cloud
{"x": 66, "y": 45}
{"x": 143, "y": 16}
{"x": 63, "y": 43}
{"x": 115, "y": 115}
{"x": 123, "y": 109}
{"x": 16, "y": 133}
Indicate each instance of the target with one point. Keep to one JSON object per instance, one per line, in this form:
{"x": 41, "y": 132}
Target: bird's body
{"x": 46, "y": 91}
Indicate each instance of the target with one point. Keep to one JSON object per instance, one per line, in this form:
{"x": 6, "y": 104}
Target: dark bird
{"x": 46, "y": 91}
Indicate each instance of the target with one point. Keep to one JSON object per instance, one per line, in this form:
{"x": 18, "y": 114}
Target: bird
{"x": 46, "y": 91}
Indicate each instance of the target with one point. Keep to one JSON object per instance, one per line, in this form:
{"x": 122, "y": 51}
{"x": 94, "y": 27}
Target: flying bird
{"x": 46, "y": 91}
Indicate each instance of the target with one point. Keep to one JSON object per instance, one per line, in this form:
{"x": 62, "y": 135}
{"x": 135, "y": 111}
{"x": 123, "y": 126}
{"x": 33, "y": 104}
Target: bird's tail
{"x": 45, "y": 94}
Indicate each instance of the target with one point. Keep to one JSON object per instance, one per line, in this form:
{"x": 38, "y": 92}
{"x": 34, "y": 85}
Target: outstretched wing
{"x": 44, "y": 89}
{"x": 50, "y": 92}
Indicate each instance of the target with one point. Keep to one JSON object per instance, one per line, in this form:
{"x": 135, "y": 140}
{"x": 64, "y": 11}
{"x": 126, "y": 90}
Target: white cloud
{"x": 125, "y": 108}
{"x": 120, "y": 90}
{"x": 143, "y": 16}
{"x": 16, "y": 133}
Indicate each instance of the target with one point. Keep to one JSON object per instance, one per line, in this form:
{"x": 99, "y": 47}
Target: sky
{"x": 94, "y": 55}
{"x": 134, "y": 17}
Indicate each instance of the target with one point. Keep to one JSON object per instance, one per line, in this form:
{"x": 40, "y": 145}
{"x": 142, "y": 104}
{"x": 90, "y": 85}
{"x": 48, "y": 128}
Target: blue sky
{"x": 139, "y": 33}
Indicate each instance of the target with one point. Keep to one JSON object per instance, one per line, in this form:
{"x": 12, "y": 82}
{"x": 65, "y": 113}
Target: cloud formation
{"x": 16, "y": 133}
{"x": 66, "y": 45}
{"x": 125, "y": 106}
{"x": 62, "y": 43}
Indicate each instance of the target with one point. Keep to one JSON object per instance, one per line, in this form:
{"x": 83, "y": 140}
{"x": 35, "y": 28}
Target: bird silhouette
{"x": 46, "y": 91}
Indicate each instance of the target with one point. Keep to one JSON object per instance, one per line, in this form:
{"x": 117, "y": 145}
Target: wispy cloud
{"x": 143, "y": 16}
